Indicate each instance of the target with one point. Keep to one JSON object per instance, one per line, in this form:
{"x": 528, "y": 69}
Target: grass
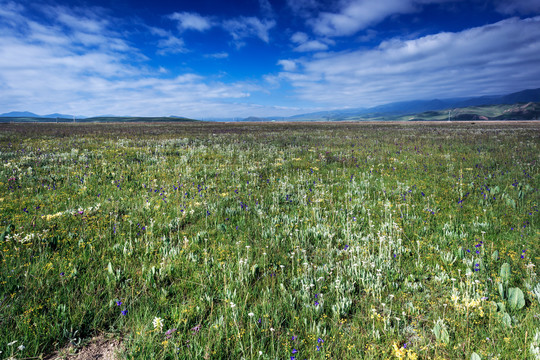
{"x": 271, "y": 241}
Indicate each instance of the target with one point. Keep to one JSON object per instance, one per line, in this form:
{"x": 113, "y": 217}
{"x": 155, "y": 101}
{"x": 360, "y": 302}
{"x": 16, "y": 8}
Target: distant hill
{"x": 397, "y": 110}
{"x": 255, "y": 119}
{"x": 135, "y": 119}
{"x": 19, "y": 114}
{"x": 43, "y": 119}
{"x": 528, "y": 111}
{"x": 402, "y": 110}
{"x": 61, "y": 116}
{"x": 27, "y": 114}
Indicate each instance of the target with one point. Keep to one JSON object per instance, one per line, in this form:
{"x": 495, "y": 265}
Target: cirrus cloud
{"x": 49, "y": 63}
{"x": 350, "y": 16}
{"x": 191, "y": 21}
{"x": 490, "y": 59}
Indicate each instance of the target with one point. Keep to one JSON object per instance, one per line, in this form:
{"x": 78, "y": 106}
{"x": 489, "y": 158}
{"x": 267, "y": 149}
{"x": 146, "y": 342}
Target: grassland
{"x": 272, "y": 241}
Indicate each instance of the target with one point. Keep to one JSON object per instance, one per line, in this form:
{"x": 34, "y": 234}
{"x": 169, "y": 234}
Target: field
{"x": 272, "y": 240}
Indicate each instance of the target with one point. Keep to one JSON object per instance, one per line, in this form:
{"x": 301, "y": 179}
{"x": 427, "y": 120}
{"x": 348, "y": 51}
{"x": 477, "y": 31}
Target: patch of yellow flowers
{"x": 402, "y": 353}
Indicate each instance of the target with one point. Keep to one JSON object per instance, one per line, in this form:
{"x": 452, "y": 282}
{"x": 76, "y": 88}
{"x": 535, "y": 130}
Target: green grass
{"x": 267, "y": 241}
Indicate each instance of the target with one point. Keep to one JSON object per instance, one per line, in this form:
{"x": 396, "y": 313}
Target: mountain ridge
{"x": 384, "y": 111}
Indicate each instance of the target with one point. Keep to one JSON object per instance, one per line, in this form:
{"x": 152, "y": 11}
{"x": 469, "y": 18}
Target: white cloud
{"x": 350, "y": 16}
{"x": 358, "y": 14}
{"x": 240, "y": 28}
{"x": 48, "y": 64}
{"x": 167, "y": 43}
{"x": 266, "y": 8}
{"x": 518, "y": 6}
{"x": 303, "y": 8}
{"x": 288, "y": 65}
{"x": 304, "y": 44}
{"x": 220, "y": 55}
{"x": 171, "y": 45}
{"x": 313, "y": 45}
{"x": 191, "y": 21}
{"x": 245, "y": 27}
{"x": 495, "y": 58}
{"x": 299, "y": 37}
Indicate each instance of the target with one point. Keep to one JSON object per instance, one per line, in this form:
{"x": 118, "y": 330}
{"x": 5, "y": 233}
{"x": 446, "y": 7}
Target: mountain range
{"x": 390, "y": 111}
{"x": 393, "y": 110}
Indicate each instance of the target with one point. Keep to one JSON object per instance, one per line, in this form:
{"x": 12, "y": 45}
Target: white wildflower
{"x": 158, "y": 324}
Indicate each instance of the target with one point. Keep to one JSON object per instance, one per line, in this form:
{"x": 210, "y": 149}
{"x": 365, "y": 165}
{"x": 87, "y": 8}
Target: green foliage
{"x": 516, "y": 300}
{"x": 505, "y": 272}
{"x": 475, "y": 356}
{"x": 440, "y": 332}
{"x": 342, "y": 241}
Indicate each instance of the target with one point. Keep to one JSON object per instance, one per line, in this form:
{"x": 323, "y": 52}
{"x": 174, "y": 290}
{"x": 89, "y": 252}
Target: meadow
{"x": 272, "y": 240}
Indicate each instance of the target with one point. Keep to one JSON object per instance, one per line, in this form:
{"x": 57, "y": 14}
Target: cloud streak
{"x": 74, "y": 62}
{"x": 351, "y": 16}
{"x": 192, "y": 21}
{"x": 483, "y": 60}
{"x": 244, "y": 27}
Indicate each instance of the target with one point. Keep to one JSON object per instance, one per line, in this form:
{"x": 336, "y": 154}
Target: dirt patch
{"x": 98, "y": 348}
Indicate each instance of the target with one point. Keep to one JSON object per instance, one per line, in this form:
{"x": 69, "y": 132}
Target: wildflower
{"x": 124, "y": 312}
{"x": 21, "y": 347}
{"x": 11, "y": 343}
{"x": 399, "y": 353}
{"x": 320, "y": 341}
{"x": 233, "y": 305}
{"x": 251, "y": 314}
{"x": 294, "y": 351}
{"x": 169, "y": 333}
{"x": 158, "y": 324}
{"x": 196, "y": 329}
{"x": 118, "y": 303}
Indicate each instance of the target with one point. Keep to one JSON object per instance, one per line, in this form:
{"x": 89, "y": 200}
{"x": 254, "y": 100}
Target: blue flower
{"x": 294, "y": 351}
{"x": 118, "y": 303}
{"x": 124, "y": 312}
{"x": 320, "y": 341}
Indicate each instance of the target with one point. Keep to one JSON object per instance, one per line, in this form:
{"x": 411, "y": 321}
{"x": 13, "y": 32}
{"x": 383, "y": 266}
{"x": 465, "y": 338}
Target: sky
{"x": 221, "y": 59}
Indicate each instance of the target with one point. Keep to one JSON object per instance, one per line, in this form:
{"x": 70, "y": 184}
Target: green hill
{"x": 524, "y": 111}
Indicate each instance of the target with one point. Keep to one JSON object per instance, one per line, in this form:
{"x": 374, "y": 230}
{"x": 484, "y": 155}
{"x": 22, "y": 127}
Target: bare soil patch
{"x": 98, "y": 348}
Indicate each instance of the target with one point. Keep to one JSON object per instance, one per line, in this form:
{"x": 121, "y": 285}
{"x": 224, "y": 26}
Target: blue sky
{"x": 242, "y": 58}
